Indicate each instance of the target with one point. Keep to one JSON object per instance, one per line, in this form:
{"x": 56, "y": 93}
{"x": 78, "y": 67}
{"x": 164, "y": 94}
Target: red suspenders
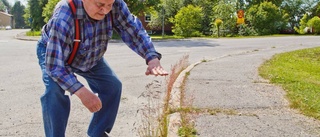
{"x": 77, "y": 38}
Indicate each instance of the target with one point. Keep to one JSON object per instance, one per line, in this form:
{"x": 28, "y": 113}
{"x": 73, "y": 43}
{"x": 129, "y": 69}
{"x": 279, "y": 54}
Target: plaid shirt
{"x": 58, "y": 35}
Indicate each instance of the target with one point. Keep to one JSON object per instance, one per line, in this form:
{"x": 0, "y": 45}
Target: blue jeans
{"x": 56, "y": 105}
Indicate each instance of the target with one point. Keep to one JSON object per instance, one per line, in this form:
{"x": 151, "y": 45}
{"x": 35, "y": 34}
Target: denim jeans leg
{"x": 55, "y": 104}
{"x": 102, "y": 80}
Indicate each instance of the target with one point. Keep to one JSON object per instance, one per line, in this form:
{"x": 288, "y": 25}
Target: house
{"x": 6, "y": 20}
{"x": 146, "y": 18}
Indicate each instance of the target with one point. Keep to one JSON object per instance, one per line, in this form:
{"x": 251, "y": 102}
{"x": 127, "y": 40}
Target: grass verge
{"x": 33, "y": 33}
{"x": 299, "y": 74}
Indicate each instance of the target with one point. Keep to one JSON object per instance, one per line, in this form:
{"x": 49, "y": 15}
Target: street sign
{"x": 240, "y": 19}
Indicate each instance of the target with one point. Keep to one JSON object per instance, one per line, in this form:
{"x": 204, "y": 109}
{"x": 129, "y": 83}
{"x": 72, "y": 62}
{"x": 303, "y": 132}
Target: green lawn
{"x": 298, "y": 72}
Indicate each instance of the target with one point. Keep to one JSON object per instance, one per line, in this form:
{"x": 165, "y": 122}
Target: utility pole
{"x": 162, "y": 21}
{"x": 163, "y": 15}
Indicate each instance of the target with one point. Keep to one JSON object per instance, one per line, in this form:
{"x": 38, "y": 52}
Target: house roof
{"x": 5, "y": 14}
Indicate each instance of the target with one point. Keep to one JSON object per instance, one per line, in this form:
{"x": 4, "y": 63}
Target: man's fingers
{"x": 94, "y": 108}
{"x": 161, "y": 71}
{"x": 148, "y": 72}
{"x": 156, "y": 71}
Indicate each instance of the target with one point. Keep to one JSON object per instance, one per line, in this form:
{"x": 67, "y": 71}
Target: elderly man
{"x": 73, "y": 42}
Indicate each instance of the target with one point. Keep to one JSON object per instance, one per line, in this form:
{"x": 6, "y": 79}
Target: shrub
{"x": 187, "y": 22}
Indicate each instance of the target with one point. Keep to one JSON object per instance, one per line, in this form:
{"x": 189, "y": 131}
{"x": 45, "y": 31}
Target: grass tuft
{"x": 154, "y": 114}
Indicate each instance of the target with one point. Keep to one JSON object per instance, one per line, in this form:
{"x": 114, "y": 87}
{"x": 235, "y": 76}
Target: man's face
{"x": 97, "y": 9}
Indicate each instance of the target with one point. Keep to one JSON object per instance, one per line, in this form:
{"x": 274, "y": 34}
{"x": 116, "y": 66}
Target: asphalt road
{"x": 21, "y": 85}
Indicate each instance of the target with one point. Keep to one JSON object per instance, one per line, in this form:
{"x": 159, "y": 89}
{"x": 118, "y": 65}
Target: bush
{"x": 314, "y": 23}
{"x": 245, "y": 30}
{"x": 187, "y": 22}
{"x": 34, "y": 33}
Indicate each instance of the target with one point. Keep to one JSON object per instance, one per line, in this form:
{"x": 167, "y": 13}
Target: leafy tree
{"x": 48, "y": 9}
{"x": 172, "y": 7}
{"x": 303, "y": 24}
{"x": 18, "y": 11}
{"x": 27, "y": 16}
{"x": 227, "y": 13}
{"x": 166, "y": 9}
{"x": 295, "y": 10}
{"x": 207, "y": 6}
{"x": 36, "y": 13}
{"x": 266, "y": 18}
{"x": 258, "y": 2}
{"x": 246, "y": 30}
{"x": 156, "y": 20}
{"x": 2, "y": 6}
{"x": 315, "y": 11}
{"x": 138, "y": 7}
{"x": 187, "y": 22}
{"x": 240, "y": 4}
{"x": 314, "y": 23}
{"x": 6, "y": 5}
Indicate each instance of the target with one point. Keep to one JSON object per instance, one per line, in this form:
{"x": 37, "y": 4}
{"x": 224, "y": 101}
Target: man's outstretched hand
{"x": 89, "y": 100}
{"x": 154, "y": 68}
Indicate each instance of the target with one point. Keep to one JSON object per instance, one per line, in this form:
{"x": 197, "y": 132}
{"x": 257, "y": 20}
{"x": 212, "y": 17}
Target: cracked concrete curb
{"x": 175, "y": 97}
{"x": 175, "y": 119}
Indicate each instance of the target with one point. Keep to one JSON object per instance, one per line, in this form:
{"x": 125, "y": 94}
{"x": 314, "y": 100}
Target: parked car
{"x": 8, "y": 28}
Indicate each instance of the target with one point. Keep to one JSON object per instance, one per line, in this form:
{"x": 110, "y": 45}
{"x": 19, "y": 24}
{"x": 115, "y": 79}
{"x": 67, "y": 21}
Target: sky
{"x": 24, "y": 2}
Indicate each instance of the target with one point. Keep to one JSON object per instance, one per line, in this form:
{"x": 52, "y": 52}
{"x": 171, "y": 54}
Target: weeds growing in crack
{"x": 154, "y": 114}
{"x": 151, "y": 112}
{"x": 188, "y": 113}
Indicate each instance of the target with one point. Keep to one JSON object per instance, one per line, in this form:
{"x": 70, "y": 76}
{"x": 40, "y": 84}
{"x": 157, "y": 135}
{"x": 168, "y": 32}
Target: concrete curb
{"x": 175, "y": 96}
{"x": 22, "y": 36}
{"x": 175, "y": 118}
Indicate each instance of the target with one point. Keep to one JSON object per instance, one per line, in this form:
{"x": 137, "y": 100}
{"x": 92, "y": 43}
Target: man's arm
{"x": 57, "y": 53}
{"x": 134, "y": 35}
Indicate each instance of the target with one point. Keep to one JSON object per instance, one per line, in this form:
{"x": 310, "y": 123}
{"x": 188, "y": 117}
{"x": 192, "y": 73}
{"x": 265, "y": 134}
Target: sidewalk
{"x": 240, "y": 103}
{"x": 22, "y": 36}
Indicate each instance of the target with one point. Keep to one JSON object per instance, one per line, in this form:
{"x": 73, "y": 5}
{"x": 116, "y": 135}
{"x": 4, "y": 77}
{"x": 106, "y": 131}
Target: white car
{"x": 8, "y": 28}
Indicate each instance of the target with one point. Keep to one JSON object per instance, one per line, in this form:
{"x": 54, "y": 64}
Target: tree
{"x": 166, "y": 9}
{"x": 314, "y": 23}
{"x": 258, "y": 2}
{"x": 171, "y": 7}
{"x": 48, "y": 9}
{"x": 295, "y": 10}
{"x": 6, "y": 6}
{"x": 187, "y": 22}
{"x": 17, "y": 12}
{"x": 315, "y": 11}
{"x": 138, "y": 7}
{"x": 207, "y": 6}
{"x": 241, "y": 4}
{"x": 35, "y": 8}
{"x": 27, "y": 16}
{"x": 2, "y": 7}
{"x": 227, "y": 13}
{"x": 266, "y": 18}
{"x": 303, "y": 25}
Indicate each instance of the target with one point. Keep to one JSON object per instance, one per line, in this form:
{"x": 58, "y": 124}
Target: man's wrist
{"x": 157, "y": 55}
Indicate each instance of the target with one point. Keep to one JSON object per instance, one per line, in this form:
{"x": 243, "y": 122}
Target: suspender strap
{"x": 77, "y": 33}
